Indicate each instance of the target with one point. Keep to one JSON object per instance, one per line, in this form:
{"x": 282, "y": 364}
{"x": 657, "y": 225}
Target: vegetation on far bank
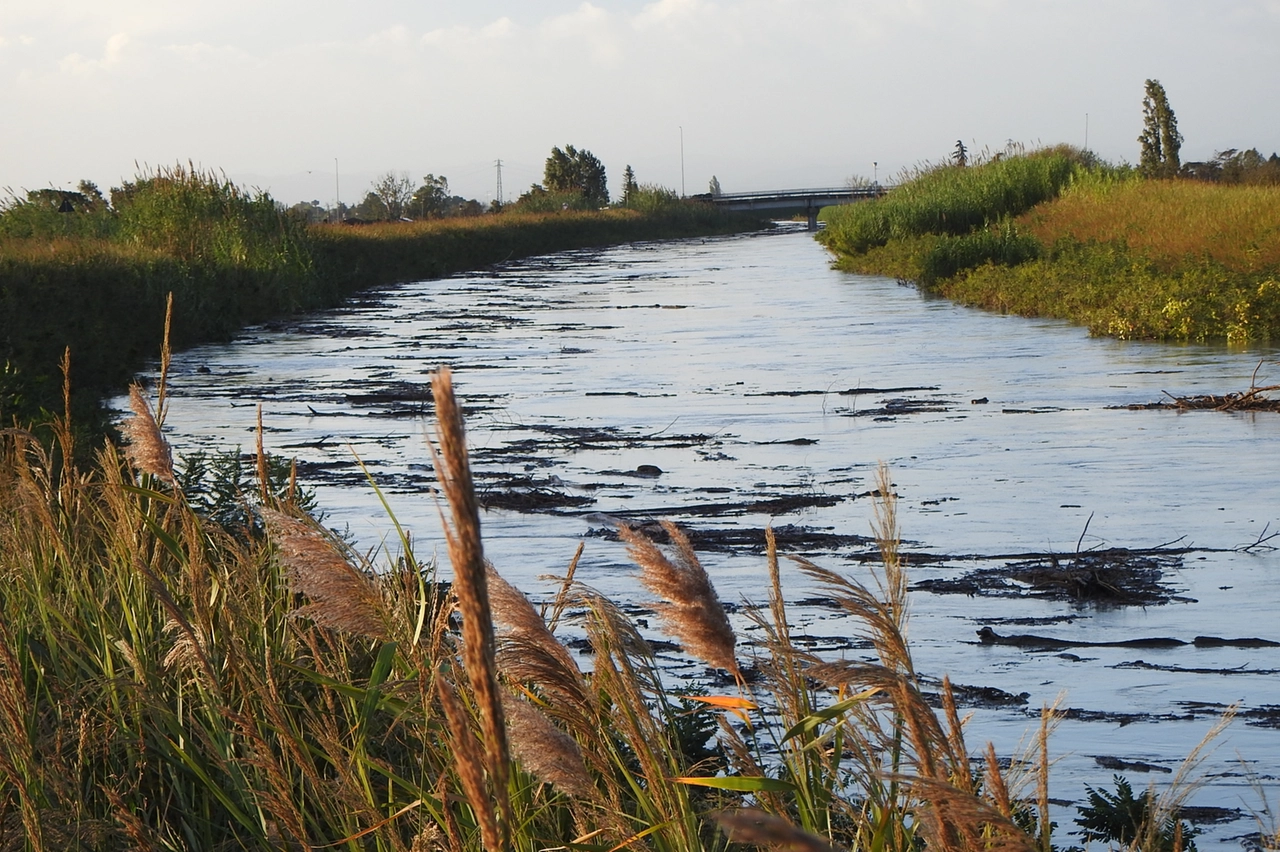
{"x": 176, "y": 678}
{"x": 79, "y": 271}
{"x": 1166, "y": 251}
{"x": 1127, "y": 256}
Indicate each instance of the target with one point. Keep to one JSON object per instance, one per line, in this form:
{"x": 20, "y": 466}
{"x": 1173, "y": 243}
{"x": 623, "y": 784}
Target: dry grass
{"x": 1170, "y": 222}
{"x": 342, "y": 597}
{"x": 758, "y": 828}
{"x": 147, "y": 450}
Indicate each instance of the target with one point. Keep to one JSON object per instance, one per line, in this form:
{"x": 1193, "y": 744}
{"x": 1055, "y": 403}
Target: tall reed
{"x": 167, "y": 682}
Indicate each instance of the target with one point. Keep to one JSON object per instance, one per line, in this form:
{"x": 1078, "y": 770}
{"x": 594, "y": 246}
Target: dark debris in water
{"x": 985, "y": 697}
{"x": 1232, "y": 670}
{"x": 900, "y": 406}
{"x": 790, "y": 537}
{"x": 1116, "y": 764}
{"x": 1116, "y": 576}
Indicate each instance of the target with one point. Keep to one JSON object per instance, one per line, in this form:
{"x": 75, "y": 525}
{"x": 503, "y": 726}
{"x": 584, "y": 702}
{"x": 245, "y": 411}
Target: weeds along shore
{"x": 1057, "y": 233}
{"x": 96, "y": 280}
{"x": 171, "y": 679}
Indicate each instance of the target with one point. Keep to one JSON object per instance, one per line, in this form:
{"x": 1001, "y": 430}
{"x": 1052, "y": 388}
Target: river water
{"x": 735, "y": 382}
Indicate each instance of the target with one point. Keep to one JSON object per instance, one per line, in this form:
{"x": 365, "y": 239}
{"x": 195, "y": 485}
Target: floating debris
{"x": 1254, "y": 399}
{"x": 1117, "y": 576}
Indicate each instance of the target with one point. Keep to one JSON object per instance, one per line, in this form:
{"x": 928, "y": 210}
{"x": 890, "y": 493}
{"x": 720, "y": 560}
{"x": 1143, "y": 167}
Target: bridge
{"x": 810, "y": 201}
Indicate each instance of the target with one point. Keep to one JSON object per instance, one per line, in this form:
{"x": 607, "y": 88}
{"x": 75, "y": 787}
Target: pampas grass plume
{"x": 147, "y": 450}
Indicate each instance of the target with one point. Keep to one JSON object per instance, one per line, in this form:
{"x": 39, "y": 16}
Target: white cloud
{"x": 113, "y": 54}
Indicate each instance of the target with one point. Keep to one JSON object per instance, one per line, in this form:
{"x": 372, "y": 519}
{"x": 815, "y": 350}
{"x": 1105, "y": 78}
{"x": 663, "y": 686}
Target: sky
{"x": 313, "y": 100}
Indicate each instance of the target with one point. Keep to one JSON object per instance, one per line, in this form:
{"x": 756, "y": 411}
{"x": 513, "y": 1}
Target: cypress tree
{"x": 1160, "y": 138}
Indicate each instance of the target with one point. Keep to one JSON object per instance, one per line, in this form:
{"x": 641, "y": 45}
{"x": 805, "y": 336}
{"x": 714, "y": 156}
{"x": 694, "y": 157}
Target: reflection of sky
{"x": 703, "y": 332}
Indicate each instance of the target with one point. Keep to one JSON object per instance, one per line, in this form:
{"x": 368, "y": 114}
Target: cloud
{"x": 113, "y": 54}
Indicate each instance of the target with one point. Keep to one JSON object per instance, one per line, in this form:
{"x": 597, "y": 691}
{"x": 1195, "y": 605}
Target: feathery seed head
{"x": 689, "y": 608}
{"x": 147, "y": 450}
{"x": 342, "y": 597}
{"x": 757, "y": 828}
{"x": 544, "y": 750}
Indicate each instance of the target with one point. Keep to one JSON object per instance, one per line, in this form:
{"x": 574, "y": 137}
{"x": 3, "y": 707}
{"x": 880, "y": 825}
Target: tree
{"x": 1160, "y": 138}
{"x": 961, "y": 154}
{"x": 577, "y": 171}
{"x": 714, "y": 187}
{"x": 394, "y": 191}
{"x": 431, "y": 199}
{"x": 629, "y": 186}
{"x": 371, "y": 209}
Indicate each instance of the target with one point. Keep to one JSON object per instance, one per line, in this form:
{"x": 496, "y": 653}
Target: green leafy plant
{"x": 1121, "y": 817}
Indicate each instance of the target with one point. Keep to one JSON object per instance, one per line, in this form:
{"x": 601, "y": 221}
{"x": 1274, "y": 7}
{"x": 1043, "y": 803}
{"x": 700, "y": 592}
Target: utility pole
{"x": 498, "y": 163}
{"x": 682, "y": 161}
{"x": 1086, "y": 132}
{"x": 337, "y": 192}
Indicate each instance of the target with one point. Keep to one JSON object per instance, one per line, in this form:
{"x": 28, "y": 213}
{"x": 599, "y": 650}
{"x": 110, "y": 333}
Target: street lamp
{"x": 682, "y": 161}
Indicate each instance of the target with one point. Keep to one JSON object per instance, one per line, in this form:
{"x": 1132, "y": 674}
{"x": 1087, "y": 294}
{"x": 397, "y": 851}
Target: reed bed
{"x": 951, "y": 200}
{"x": 97, "y": 279}
{"x": 169, "y": 682}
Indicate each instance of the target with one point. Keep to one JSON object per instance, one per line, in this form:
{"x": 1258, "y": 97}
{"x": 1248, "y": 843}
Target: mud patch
{"x": 1115, "y": 764}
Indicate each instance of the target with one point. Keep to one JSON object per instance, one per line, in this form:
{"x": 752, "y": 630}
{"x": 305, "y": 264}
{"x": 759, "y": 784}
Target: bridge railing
{"x": 801, "y": 194}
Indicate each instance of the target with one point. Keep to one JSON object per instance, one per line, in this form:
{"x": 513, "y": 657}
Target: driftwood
{"x": 1253, "y": 399}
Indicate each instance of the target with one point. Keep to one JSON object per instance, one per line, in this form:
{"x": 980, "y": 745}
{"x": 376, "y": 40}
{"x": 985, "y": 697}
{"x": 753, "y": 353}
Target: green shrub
{"x": 1123, "y": 818}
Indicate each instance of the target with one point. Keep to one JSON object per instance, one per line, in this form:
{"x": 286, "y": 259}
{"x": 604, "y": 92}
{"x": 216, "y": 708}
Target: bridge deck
{"x": 808, "y": 200}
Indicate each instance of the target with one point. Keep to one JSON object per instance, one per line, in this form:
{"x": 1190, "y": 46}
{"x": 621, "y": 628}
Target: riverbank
{"x": 95, "y": 281}
{"x": 1125, "y": 256}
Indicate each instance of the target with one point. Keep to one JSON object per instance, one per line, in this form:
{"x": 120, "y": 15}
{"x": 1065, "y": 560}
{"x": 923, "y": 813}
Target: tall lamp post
{"x": 682, "y": 161}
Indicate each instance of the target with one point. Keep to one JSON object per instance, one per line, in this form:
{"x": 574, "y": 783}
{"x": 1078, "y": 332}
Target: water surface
{"x": 731, "y": 383}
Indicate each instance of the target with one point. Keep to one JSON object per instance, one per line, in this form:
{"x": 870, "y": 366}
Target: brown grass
{"x": 757, "y": 828}
{"x": 342, "y": 597}
{"x": 546, "y": 752}
{"x": 1169, "y": 221}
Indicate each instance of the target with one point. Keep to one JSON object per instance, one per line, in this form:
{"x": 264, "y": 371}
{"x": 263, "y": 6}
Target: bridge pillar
{"x": 812, "y": 210}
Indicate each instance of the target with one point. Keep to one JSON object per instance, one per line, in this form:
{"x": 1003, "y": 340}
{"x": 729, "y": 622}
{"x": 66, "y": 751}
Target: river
{"x": 729, "y": 383}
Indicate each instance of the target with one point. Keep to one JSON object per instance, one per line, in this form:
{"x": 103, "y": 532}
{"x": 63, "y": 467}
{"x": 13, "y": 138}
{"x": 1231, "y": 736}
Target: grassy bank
{"x": 1127, "y": 257}
{"x": 171, "y": 682}
{"x": 95, "y": 278}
